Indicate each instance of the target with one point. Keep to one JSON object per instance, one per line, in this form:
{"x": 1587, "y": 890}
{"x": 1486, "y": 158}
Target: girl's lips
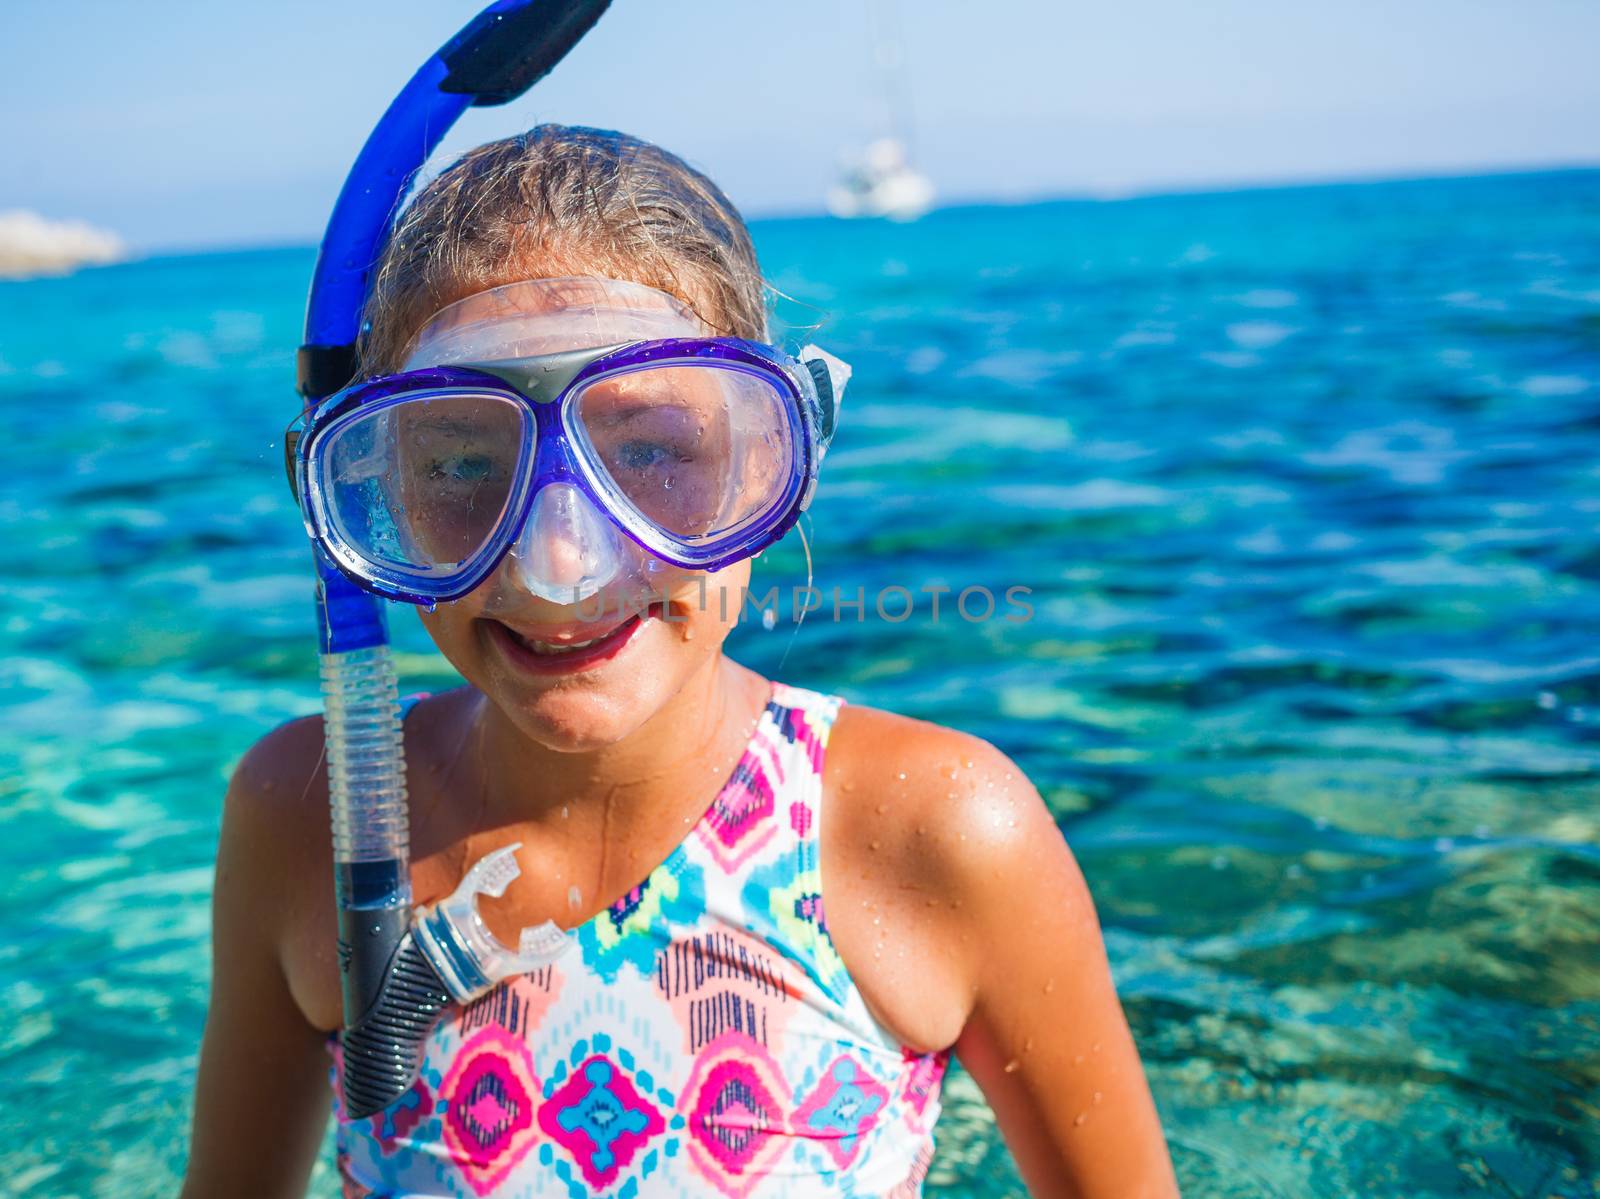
{"x": 517, "y": 649}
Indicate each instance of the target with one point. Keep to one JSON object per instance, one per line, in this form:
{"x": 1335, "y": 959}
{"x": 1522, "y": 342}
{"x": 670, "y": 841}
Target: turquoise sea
{"x": 1305, "y": 484}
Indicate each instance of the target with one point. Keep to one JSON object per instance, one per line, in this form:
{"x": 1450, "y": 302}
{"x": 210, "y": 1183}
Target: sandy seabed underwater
{"x": 1305, "y": 484}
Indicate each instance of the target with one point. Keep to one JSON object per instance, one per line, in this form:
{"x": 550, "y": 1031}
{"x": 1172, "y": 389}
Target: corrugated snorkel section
{"x": 383, "y": 1053}
{"x": 391, "y": 996}
{"x": 366, "y": 772}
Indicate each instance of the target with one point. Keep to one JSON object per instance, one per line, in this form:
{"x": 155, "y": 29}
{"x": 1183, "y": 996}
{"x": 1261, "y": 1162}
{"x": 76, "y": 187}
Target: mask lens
{"x": 698, "y": 451}
{"x": 421, "y": 486}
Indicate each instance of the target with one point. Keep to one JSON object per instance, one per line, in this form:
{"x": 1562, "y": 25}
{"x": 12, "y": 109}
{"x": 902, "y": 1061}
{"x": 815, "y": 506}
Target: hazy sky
{"x": 187, "y": 123}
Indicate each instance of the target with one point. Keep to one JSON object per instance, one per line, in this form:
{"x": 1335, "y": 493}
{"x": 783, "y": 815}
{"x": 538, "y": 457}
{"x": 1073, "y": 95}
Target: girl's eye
{"x": 463, "y": 468}
{"x": 642, "y": 455}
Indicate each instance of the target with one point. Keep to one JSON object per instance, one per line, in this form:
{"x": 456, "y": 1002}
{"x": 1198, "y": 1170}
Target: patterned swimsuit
{"x": 701, "y": 1038}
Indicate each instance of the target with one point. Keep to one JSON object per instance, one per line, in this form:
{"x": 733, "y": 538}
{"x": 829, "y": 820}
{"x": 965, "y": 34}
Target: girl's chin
{"x": 579, "y": 719}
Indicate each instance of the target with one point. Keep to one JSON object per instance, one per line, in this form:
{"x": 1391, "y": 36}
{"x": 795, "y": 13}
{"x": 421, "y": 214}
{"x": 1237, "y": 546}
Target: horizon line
{"x": 1107, "y": 194}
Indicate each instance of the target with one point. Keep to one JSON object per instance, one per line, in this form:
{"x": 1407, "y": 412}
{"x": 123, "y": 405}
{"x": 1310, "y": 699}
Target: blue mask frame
{"x": 553, "y": 451}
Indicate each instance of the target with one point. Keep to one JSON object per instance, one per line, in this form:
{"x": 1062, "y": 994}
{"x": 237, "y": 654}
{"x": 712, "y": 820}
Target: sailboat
{"x": 883, "y": 182}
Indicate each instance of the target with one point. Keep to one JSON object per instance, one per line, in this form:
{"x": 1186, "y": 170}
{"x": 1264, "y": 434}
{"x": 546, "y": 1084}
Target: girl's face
{"x": 578, "y": 675}
{"x": 573, "y": 700}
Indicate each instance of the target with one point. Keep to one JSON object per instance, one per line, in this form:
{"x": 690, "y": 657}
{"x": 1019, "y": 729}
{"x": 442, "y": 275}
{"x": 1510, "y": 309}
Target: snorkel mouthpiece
{"x": 466, "y": 956}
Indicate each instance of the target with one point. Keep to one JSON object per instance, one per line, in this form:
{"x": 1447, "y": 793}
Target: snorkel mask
{"x": 588, "y": 432}
{"x": 636, "y": 444}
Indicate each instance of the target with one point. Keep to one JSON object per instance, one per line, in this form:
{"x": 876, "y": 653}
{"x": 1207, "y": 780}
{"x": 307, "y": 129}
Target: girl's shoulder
{"x": 925, "y": 780}
{"x": 281, "y": 783}
{"x": 923, "y": 828}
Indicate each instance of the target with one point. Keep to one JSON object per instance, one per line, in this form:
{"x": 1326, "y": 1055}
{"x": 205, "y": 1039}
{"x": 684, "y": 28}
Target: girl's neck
{"x": 664, "y": 772}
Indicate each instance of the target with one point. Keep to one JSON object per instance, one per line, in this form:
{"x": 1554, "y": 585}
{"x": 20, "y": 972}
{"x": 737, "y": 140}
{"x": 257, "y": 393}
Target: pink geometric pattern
{"x": 600, "y": 1119}
{"x": 488, "y": 1098}
{"x": 394, "y": 1125}
{"x": 920, "y": 1079}
{"x": 740, "y": 822}
{"x": 737, "y": 1128}
{"x": 842, "y": 1109}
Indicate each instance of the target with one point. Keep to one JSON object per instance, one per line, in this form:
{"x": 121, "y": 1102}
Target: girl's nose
{"x": 567, "y": 550}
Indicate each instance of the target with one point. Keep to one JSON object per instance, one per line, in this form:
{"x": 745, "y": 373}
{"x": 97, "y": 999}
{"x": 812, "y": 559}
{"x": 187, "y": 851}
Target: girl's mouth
{"x": 561, "y": 655}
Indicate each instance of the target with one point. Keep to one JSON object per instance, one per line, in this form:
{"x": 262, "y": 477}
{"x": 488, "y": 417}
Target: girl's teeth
{"x": 545, "y": 647}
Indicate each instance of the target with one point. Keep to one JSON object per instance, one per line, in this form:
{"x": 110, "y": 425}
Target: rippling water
{"x": 1304, "y": 484}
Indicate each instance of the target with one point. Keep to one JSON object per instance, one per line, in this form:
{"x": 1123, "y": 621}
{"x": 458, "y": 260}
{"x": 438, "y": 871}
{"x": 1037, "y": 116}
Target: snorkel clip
{"x": 467, "y": 957}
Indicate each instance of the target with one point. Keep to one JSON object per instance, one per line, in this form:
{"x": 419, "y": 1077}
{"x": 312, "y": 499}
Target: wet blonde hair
{"x": 562, "y": 200}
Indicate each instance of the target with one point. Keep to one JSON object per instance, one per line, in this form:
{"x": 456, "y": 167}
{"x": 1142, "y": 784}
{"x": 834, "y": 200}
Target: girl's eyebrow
{"x": 446, "y": 424}
{"x": 624, "y": 411}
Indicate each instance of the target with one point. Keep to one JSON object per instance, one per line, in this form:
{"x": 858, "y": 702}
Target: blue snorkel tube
{"x": 400, "y": 968}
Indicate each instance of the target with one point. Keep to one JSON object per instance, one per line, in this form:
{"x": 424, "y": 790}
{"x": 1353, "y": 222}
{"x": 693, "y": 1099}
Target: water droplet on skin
{"x": 1079, "y": 1120}
{"x": 968, "y": 765}
{"x": 882, "y": 808}
{"x": 1027, "y": 1046}
{"x": 1095, "y": 1048}
{"x": 901, "y": 776}
{"x": 1011, "y": 1066}
{"x": 952, "y": 775}
{"x": 933, "y": 903}
{"x": 1077, "y": 1059}
{"x": 563, "y": 811}
{"x": 1098, "y": 1097}
{"x": 688, "y": 633}
{"x": 922, "y": 830}
{"x": 1050, "y": 986}
{"x": 574, "y": 898}
{"x": 875, "y": 846}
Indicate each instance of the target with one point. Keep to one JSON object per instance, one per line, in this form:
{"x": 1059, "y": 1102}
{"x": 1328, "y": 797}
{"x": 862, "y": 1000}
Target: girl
{"x": 785, "y": 912}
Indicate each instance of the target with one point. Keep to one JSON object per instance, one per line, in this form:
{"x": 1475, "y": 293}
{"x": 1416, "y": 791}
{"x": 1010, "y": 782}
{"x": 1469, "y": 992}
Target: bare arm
{"x": 1045, "y": 1038}
{"x": 938, "y": 844}
{"x": 262, "y": 1100}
